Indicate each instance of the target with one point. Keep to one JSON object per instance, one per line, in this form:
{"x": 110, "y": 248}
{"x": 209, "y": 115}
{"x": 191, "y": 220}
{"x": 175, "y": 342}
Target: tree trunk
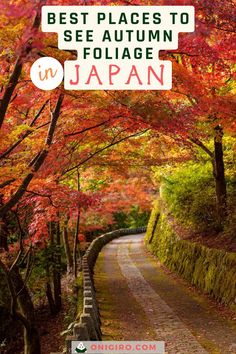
{"x": 49, "y": 294}
{"x": 26, "y": 310}
{"x": 69, "y": 258}
{"x": 31, "y": 342}
{"x": 76, "y": 251}
{"x": 57, "y": 270}
{"x": 219, "y": 174}
{"x": 3, "y": 234}
{"x": 53, "y": 269}
{"x": 217, "y": 158}
{"x": 3, "y": 229}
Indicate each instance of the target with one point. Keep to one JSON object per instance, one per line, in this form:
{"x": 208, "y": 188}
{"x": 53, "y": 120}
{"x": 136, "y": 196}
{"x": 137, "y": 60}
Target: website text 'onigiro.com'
{"x": 118, "y": 347}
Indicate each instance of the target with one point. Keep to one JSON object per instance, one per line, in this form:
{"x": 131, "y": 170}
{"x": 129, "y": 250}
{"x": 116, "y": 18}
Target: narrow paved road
{"x": 140, "y": 301}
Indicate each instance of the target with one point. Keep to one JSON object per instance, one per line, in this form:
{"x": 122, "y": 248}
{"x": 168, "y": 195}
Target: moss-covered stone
{"x": 211, "y": 270}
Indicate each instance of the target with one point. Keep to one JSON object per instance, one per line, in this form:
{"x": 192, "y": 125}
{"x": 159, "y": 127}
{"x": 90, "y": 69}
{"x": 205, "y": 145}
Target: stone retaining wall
{"x": 88, "y": 326}
{"x": 212, "y": 271}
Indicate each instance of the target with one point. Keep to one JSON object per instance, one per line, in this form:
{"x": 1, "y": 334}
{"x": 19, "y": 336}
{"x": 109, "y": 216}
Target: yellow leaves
{"x": 7, "y": 140}
{"x": 229, "y": 87}
{"x": 19, "y": 130}
{"x": 11, "y": 33}
{"x": 16, "y": 171}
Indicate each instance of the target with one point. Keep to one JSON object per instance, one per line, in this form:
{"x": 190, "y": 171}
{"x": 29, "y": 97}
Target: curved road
{"x": 138, "y": 300}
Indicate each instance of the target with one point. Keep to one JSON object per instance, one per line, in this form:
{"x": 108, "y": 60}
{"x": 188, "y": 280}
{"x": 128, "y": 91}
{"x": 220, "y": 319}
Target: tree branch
{"x": 38, "y": 161}
{"x": 25, "y": 135}
{"x": 103, "y": 149}
{"x": 6, "y": 183}
{"x": 13, "y": 81}
{"x": 89, "y": 128}
{"x": 202, "y": 146}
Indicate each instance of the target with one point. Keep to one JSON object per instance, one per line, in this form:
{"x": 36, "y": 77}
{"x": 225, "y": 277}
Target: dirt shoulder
{"x": 219, "y": 241}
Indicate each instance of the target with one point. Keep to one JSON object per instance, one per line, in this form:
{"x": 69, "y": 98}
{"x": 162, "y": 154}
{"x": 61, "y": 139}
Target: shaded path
{"x": 139, "y": 301}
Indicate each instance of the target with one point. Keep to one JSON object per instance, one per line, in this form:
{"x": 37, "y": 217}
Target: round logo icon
{"x": 46, "y": 73}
